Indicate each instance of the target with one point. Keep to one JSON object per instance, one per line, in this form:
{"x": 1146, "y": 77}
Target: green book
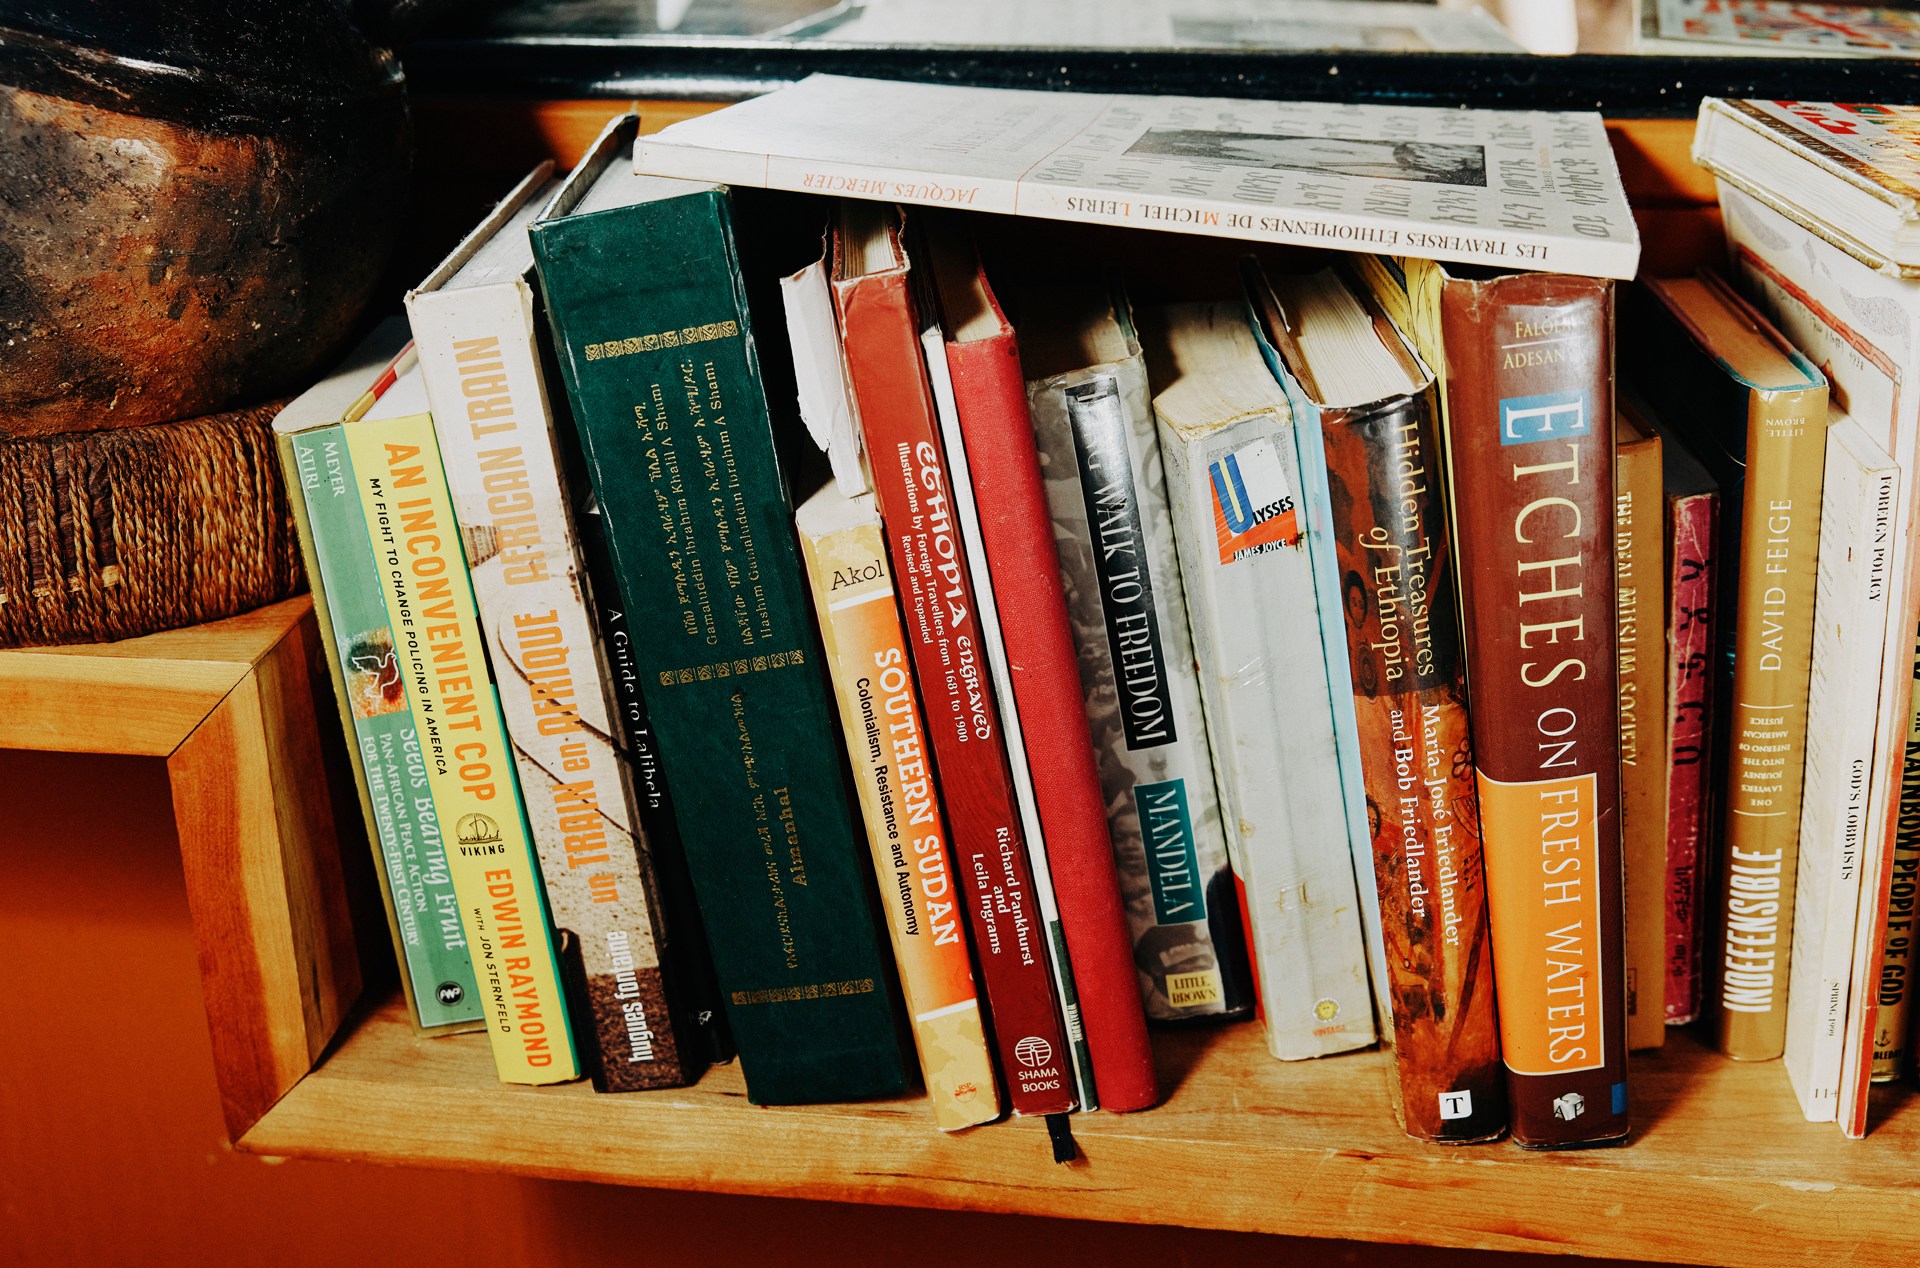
{"x": 647, "y": 301}
{"x": 416, "y": 885}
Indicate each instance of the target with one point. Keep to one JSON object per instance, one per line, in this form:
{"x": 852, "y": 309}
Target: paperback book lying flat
{"x": 1520, "y": 189}
{"x": 1849, "y": 173}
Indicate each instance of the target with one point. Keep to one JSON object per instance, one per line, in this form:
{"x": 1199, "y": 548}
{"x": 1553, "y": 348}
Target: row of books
{"x": 1817, "y": 923}
{"x": 1778, "y": 513}
{"x": 1126, "y": 663}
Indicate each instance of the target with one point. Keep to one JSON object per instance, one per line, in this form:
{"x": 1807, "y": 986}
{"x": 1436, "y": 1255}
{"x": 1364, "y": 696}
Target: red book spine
{"x": 1690, "y": 560}
{"x": 1246, "y": 922}
{"x": 910, "y": 483}
{"x": 1529, "y": 360}
{"x": 1018, "y": 532}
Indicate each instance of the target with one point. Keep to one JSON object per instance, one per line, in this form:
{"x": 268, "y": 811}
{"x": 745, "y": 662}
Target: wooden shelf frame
{"x": 233, "y": 709}
{"x": 1721, "y": 1169}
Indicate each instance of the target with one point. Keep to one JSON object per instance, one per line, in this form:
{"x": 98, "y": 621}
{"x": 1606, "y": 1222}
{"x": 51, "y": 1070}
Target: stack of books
{"x": 779, "y": 609}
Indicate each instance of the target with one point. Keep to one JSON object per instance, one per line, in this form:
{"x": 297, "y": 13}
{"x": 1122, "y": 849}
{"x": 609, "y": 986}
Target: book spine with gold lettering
{"x": 470, "y": 765}
{"x": 1528, "y": 436}
{"x": 885, "y": 728}
{"x": 669, "y": 394}
{"x": 1774, "y": 543}
{"x": 481, "y": 363}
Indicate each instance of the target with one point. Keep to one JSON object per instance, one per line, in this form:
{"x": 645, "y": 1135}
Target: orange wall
{"x": 112, "y": 1151}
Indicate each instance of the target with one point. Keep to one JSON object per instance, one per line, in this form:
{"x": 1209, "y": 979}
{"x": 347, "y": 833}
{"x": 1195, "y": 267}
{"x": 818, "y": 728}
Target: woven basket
{"x": 112, "y": 534}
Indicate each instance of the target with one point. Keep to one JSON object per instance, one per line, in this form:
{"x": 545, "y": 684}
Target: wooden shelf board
{"x": 140, "y": 695}
{"x": 1721, "y": 1168}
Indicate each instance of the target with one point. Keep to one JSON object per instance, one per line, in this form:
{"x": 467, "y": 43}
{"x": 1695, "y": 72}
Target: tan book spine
{"x": 1772, "y": 668}
{"x": 1639, "y": 559}
{"x": 880, "y": 713}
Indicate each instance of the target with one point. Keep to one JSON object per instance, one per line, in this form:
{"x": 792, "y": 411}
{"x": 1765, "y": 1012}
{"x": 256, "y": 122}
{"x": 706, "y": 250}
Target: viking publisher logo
{"x": 476, "y": 834}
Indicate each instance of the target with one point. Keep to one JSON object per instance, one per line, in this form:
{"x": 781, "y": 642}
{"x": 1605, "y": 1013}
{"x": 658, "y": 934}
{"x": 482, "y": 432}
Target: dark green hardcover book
{"x": 648, "y": 307}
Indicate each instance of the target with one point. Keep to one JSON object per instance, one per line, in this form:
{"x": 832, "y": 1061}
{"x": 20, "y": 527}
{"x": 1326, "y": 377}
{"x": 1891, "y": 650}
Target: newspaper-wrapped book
{"x": 1509, "y": 188}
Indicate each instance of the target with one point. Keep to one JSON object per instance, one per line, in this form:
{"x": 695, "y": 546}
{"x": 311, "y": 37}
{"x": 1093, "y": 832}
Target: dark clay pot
{"x": 196, "y": 200}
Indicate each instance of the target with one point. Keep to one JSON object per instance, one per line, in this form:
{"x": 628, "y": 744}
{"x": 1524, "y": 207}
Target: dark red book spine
{"x": 910, "y": 483}
{"x": 1018, "y": 532}
{"x": 1690, "y": 537}
{"x": 1529, "y": 428}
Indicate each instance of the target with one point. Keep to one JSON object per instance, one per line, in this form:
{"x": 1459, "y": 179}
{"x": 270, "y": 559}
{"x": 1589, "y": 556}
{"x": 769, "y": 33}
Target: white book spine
{"x": 491, "y": 413}
{"x": 1000, "y": 675}
{"x": 1263, "y": 686}
{"x": 1849, "y": 638}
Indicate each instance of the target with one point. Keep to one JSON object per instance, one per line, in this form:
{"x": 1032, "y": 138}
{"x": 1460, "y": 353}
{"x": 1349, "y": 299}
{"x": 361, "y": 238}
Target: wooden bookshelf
{"x": 1721, "y": 1168}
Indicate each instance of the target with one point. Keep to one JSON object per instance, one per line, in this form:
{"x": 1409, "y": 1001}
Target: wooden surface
{"x": 140, "y": 696}
{"x": 235, "y": 708}
{"x": 107, "y": 1163}
{"x": 1720, "y": 1169}
{"x": 278, "y": 968}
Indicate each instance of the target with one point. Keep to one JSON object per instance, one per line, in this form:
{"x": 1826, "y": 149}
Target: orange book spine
{"x": 880, "y": 713}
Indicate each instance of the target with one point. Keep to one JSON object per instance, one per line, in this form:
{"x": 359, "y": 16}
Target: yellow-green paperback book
{"x": 422, "y": 565}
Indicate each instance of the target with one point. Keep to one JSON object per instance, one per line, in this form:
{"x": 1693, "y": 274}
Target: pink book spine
{"x": 1690, "y": 675}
